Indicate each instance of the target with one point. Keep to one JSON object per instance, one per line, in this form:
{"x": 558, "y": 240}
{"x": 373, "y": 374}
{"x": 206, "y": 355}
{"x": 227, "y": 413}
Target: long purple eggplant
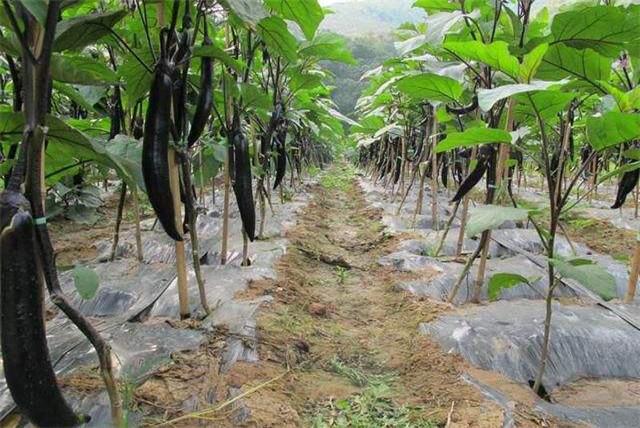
{"x": 242, "y": 183}
{"x": 281, "y": 164}
{"x": 627, "y": 184}
{"x": 155, "y": 149}
{"x": 476, "y": 175}
{"x": 205, "y": 98}
{"x": 25, "y": 356}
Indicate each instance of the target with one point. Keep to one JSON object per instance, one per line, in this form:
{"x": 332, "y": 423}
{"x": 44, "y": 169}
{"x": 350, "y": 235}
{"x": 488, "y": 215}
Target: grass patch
{"x": 290, "y": 320}
{"x": 339, "y": 178}
{"x": 371, "y": 408}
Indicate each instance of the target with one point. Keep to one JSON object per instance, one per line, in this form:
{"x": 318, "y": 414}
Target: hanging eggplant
{"x": 476, "y": 175}
{"x": 627, "y": 184}
{"x": 444, "y": 171}
{"x": 25, "y": 356}
{"x": 281, "y": 163}
{"x": 155, "y": 147}
{"x": 205, "y": 98}
{"x": 242, "y": 182}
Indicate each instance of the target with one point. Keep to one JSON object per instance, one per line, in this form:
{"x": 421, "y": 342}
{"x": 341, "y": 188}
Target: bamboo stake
{"x": 465, "y": 212}
{"x": 174, "y": 180}
{"x": 635, "y": 272}
{"x": 486, "y": 235}
{"x": 136, "y": 215}
{"x": 434, "y": 175}
{"x": 225, "y": 212}
{"x": 116, "y": 233}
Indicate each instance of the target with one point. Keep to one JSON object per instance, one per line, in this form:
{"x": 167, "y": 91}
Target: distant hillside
{"x": 358, "y": 18}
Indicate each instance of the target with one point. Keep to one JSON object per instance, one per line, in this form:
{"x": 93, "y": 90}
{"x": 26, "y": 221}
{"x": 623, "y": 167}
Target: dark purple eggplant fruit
{"x": 25, "y": 355}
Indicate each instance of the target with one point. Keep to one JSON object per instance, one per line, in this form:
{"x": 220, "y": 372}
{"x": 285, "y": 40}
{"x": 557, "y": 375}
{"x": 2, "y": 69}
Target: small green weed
{"x": 372, "y": 408}
{"x": 342, "y": 274}
{"x": 339, "y": 178}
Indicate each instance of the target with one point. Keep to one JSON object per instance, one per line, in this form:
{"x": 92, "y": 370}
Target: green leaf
{"x": 590, "y": 275}
{"x": 612, "y": 129}
{"x": 503, "y": 281}
{"x": 84, "y": 30}
{"x": 136, "y": 77}
{"x": 306, "y": 13}
{"x": 473, "y": 137}
{"x": 86, "y": 282}
{"x": 531, "y": 62}
{"x": 127, "y": 152}
{"x": 81, "y": 70}
{"x": 431, "y": 87}
{"x": 490, "y": 217}
{"x": 38, "y": 8}
{"x": 495, "y": 55}
{"x": 431, "y": 6}
{"x": 561, "y": 61}
{"x": 255, "y": 97}
{"x": 218, "y": 53}
{"x": 303, "y": 81}
{"x": 488, "y": 97}
{"x": 328, "y": 46}
{"x": 548, "y": 103}
{"x": 249, "y": 11}
{"x": 73, "y": 94}
{"x": 275, "y": 33}
{"x": 607, "y": 30}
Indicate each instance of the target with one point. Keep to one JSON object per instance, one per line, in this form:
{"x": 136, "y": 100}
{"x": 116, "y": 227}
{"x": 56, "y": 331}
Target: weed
{"x": 339, "y": 178}
{"x": 371, "y": 408}
{"x": 342, "y": 274}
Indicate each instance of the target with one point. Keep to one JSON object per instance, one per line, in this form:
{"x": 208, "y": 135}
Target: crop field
{"x": 319, "y": 213}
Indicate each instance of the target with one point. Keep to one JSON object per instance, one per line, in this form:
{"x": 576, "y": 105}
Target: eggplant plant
{"x": 514, "y": 85}
{"x": 150, "y": 98}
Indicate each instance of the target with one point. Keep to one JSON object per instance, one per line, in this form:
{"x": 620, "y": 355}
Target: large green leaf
{"x": 275, "y": 33}
{"x": 86, "y": 281}
{"x": 431, "y": 87}
{"x": 302, "y": 81}
{"x": 503, "y": 281}
{"x": 612, "y": 129}
{"x": 73, "y": 94}
{"x": 82, "y": 31}
{"x": 495, "y": 55}
{"x": 607, "y": 30}
{"x": 136, "y": 77}
{"x": 81, "y": 70}
{"x": 489, "y": 217}
{"x": 589, "y": 274}
{"x": 587, "y": 65}
{"x": 488, "y": 97}
{"x": 547, "y": 103}
{"x": 473, "y": 137}
{"x": 306, "y": 13}
{"x": 249, "y": 11}
{"x": 127, "y": 152}
{"x": 218, "y": 53}
{"x": 328, "y": 46}
{"x": 431, "y": 6}
{"x": 531, "y": 62}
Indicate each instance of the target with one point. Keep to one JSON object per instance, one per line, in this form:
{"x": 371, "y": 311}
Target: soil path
{"x": 341, "y": 343}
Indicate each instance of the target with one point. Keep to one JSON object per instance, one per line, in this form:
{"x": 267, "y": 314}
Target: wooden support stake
{"x": 633, "y": 275}
{"x": 225, "y": 213}
{"x": 181, "y": 259}
{"x": 136, "y": 215}
{"x": 434, "y": 174}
